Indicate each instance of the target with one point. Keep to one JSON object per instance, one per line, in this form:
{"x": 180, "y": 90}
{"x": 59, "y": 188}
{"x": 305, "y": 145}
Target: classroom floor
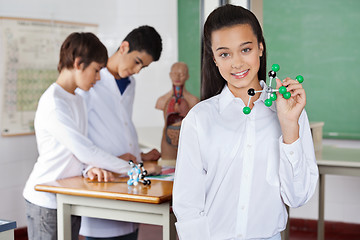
{"x": 297, "y": 232}
{"x": 151, "y": 232}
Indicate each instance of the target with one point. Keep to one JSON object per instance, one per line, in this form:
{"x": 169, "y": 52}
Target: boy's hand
{"x": 102, "y": 175}
{"x": 153, "y": 169}
{"x": 153, "y": 155}
{"x": 128, "y": 157}
{"x": 289, "y": 110}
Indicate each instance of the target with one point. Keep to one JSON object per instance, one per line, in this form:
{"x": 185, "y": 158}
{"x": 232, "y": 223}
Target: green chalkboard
{"x": 320, "y": 40}
{"x": 189, "y": 41}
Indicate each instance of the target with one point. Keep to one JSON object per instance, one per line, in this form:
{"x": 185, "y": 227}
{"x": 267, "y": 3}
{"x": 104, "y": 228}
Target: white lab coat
{"x": 110, "y": 128}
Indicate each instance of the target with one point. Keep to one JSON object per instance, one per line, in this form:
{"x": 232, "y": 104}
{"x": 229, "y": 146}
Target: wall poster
{"x": 29, "y": 54}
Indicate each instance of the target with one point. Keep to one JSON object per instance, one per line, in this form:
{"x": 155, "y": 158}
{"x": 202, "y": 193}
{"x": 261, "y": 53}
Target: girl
{"x": 235, "y": 172}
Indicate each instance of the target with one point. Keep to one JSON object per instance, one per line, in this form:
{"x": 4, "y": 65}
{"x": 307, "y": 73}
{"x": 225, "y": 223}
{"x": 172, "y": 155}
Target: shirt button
{"x": 291, "y": 152}
{"x": 239, "y": 236}
{"x": 202, "y": 213}
{"x": 126, "y": 123}
{"x": 130, "y": 145}
{"x": 242, "y": 207}
{"x": 249, "y": 146}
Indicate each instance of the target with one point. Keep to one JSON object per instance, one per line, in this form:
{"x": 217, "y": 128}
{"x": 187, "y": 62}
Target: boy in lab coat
{"x": 110, "y": 106}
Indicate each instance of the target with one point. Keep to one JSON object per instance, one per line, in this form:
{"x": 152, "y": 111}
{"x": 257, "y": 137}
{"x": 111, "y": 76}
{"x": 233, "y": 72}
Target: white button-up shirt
{"x": 61, "y": 135}
{"x": 234, "y": 174}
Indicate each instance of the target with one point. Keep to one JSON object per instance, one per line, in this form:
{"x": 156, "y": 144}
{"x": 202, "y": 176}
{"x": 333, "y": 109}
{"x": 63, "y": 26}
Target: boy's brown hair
{"x": 86, "y": 46}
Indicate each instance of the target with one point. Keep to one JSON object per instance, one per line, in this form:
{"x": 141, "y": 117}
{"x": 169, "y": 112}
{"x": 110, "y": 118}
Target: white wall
{"x": 115, "y": 19}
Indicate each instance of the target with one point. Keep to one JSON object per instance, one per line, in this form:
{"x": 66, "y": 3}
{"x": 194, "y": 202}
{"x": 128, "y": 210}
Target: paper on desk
{"x": 167, "y": 174}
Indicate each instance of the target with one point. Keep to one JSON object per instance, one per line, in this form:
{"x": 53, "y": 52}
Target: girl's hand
{"x": 289, "y": 110}
{"x": 102, "y": 175}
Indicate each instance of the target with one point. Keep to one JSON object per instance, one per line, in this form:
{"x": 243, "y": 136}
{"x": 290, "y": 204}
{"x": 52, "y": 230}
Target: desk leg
{"x": 7, "y": 235}
{"x": 321, "y": 233}
{"x": 172, "y": 226}
{"x": 63, "y": 219}
{"x": 169, "y": 232}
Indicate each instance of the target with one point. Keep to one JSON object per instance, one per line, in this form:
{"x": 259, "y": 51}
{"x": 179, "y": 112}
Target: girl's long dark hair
{"x": 225, "y": 16}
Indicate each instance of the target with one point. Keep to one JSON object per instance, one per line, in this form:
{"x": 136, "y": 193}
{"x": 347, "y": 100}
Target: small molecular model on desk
{"x": 137, "y": 174}
{"x": 270, "y": 91}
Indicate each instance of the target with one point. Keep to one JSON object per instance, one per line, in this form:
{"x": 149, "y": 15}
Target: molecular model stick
{"x": 271, "y": 93}
{"x": 137, "y": 174}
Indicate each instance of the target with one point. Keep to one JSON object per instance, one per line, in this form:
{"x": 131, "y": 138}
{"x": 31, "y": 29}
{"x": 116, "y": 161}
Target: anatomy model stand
{"x": 270, "y": 91}
{"x": 137, "y": 174}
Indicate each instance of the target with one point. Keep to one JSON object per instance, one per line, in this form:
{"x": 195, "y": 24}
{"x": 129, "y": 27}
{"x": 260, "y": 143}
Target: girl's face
{"x": 237, "y": 55}
{"x": 86, "y": 78}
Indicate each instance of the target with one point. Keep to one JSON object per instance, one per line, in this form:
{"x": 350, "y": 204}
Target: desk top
{"x": 7, "y": 225}
{"x": 336, "y": 156}
{"x": 158, "y": 192}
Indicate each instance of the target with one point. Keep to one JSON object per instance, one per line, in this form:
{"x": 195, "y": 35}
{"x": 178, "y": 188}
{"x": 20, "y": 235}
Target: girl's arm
{"x": 298, "y": 169}
{"x": 64, "y": 129}
{"x": 289, "y": 110}
{"x": 189, "y": 185}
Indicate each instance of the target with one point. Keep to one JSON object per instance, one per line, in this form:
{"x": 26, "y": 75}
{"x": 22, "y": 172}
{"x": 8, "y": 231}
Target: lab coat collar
{"x": 114, "y": 88}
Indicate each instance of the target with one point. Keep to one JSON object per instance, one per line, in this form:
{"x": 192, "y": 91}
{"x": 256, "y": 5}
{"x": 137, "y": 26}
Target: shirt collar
{"x": 226, "y": 97}
{"x": 107, "y": 72}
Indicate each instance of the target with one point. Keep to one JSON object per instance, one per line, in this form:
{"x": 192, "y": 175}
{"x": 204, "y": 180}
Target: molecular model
{"x": 270, "y": 91}
{"x": 137, "y": 174}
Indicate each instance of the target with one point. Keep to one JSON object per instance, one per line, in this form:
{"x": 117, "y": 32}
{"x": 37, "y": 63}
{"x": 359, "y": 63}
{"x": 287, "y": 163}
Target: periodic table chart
{"x": 29, "y": 54}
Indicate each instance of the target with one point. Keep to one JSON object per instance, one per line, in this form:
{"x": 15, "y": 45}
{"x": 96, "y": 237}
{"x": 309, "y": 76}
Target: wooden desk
{"x": 116, "y": 201}
{"x": 335, "y": 161}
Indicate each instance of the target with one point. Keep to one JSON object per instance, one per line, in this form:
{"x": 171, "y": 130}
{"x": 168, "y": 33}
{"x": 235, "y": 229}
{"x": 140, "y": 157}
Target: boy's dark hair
{"x": 145, "y": 38}
{"x": 86, "y": 46}
{"x": 228, "y": 15}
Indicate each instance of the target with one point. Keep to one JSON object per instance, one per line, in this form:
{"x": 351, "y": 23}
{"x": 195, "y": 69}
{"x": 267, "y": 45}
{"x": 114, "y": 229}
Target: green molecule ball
{"x": 287, "y": 95}
{"x": 282, "y": 90}
{"x": 275, "y": 67}
{"x": 268, "y": 102}
{"x": 246, "y": 110}
{"x": 273, "y": 96}
{"x": 300, "y": 78}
